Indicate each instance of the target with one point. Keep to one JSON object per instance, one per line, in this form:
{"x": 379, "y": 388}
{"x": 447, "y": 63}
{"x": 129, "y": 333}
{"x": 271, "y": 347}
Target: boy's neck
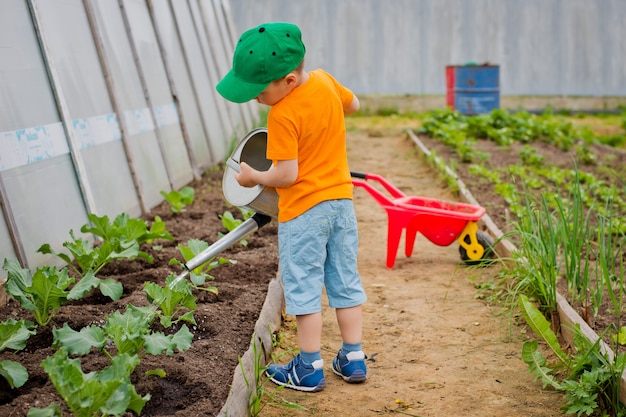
{"x": 302, "y": 78}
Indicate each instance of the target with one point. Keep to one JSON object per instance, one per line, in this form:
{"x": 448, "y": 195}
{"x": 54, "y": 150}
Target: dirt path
{"x": 436, "y": 347}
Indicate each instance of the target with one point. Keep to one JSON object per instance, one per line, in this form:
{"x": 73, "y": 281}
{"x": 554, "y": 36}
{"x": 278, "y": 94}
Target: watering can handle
{"x": 234, "y": 165}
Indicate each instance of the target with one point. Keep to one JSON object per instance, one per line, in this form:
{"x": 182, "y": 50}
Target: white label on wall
{"x": 26, "y": 146}
{"x": 138, "y": 121}
{"x": 97, "y": 130}
{"x": 166, "y": 114}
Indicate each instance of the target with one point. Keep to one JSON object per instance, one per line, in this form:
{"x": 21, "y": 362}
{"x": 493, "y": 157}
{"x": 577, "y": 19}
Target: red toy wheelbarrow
{"x": 441, "y": 222}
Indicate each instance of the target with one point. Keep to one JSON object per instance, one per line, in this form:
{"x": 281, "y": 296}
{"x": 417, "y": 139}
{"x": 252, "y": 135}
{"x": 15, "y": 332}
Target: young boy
{"x": 317, "y": 229}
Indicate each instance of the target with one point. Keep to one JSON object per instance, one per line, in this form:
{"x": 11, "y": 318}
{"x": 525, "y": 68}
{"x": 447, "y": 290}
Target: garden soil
{"x": 434, "y": 347}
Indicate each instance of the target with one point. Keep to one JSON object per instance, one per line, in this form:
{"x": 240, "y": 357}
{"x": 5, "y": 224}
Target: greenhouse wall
{"x": 104, "y": 104}
{"x": 543, "y": 47}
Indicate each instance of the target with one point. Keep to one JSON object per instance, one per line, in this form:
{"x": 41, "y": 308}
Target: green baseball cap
{"x": 263, "y": 54}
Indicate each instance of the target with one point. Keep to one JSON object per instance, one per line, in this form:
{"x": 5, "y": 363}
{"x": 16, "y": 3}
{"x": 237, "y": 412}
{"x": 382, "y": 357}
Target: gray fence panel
{"x": 251, "y": 107}
{"x": 135, "y": 118}
{"x": 200, "y": 71}
{"x": 613, "y": 76}
{"x": 206, "y": 44}
{"x": 43, "y": 198}
{"x": 543, "y": 47}
{"x": 184, "y": 92}
{"x": 24, "y": 83}
{"x": 214, "y": 15}
{"x": 46, "y": 211}
{"x": 159, "y": 94}
{"x": 204, "y": 39}
{"x": 529, "y": 65}
{"x": 93, "y": 122}
{"x": 589, "y": 56}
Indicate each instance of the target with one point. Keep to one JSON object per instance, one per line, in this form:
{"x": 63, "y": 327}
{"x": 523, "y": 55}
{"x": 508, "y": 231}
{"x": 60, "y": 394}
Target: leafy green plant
{"x": 90, "y": 260}
{"x": 178, "y": 200}
{"x": 43, "y": 292}
{"x": 230, "y": 223}
{"x": 444, "y": 174}
{"x": 86, "y": 259}
{"x": 529, "y": 156}
{"x": 538, "y": 323}
{"x": 172, "y": 301}
{"x": 129, "y": 332}
{"x": 502, "y": 127}
{"x": 491, "y": 175}
{"x": 121, "y": 240}
{"x": 108, "y": 287}
{"x": 126, "y": 232}
{"x": 584, "y": 155}
{"x": 593, "y": 379}
{"x": 124, "y": 338}
{"x": 200, "y": 274}
{"x": 13, "y": 335}
{"x": 108, "y": 392}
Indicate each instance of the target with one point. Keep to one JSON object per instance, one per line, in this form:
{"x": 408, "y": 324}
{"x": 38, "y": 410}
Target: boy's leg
{"x": 350, "y": 322}
{"x": 302, "y": 255}
{"x": 309, "y": 328}
{"x": 346, "y": 293}
{"x": 305, "y": 372}
{"x": 350, "y": 360}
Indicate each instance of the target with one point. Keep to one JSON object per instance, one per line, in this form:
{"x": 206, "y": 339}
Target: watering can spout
{"x": 240, "y": 232}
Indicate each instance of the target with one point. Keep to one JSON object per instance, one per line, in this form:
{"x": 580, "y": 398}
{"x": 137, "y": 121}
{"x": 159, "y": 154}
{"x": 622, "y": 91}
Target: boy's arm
{"x": 283, "y": 174}
{"x": 353, "y": 107}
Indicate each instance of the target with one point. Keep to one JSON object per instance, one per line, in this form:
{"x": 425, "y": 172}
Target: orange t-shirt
{"x": 308, "y": 125}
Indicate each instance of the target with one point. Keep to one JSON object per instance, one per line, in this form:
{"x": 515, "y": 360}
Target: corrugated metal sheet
{"x": 543, "y": 47}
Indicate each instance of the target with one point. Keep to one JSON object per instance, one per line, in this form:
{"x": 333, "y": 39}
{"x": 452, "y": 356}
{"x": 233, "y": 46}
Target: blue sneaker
{"x": 298, "y": 375}
{"x": 350, "y": 367}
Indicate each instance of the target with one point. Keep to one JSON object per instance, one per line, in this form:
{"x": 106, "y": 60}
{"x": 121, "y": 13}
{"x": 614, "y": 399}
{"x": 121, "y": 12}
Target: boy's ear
{"x": 291, "y": 78}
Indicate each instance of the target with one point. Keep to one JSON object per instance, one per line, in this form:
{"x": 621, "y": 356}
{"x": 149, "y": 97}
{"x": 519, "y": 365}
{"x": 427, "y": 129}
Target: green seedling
{"x": 178, "y": 200}
{"x": 43, "y": 292}
{"x": 13, "y": 335}
{"x": 172, "y": 301}
{"x": 230, "y": 223}
{"x": 108, "y": 392}
{"x": 200, "y": 275}
{"x": 128, "y": 332}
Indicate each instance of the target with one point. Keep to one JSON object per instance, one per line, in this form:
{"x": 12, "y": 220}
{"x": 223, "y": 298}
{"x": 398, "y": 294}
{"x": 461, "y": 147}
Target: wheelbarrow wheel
{"x": 483, "y": 240}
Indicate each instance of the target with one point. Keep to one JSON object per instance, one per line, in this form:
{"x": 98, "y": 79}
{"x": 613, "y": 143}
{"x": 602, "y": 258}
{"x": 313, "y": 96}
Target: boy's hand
{"x": 244, "y": 177}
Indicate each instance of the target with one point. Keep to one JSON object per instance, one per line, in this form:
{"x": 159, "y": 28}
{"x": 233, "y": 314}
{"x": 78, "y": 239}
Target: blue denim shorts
{"x": 319, "y": 249}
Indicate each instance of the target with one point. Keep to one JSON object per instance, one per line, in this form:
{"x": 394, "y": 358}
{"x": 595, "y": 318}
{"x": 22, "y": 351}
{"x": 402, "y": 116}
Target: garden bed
{"x": 497, "y": 206}
{"x": 197, "y": 380}
{"x": 604, "y": 166}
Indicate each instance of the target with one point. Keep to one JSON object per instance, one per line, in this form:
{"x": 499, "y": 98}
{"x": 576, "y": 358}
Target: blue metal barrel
{"x": 473, "y": 89}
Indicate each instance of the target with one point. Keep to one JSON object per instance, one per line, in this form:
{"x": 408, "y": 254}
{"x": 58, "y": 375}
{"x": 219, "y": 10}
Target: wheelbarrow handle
{"x": 391, "y": 189}
{"x": 356, "y": 174}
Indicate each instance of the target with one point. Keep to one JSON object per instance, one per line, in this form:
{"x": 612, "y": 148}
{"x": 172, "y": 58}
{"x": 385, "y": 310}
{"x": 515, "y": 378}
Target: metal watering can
{"x": 260, "y": 199}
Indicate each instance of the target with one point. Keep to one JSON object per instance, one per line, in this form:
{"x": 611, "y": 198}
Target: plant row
{"x": 569, "y": 227}
{"x": 125, "y": 337}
